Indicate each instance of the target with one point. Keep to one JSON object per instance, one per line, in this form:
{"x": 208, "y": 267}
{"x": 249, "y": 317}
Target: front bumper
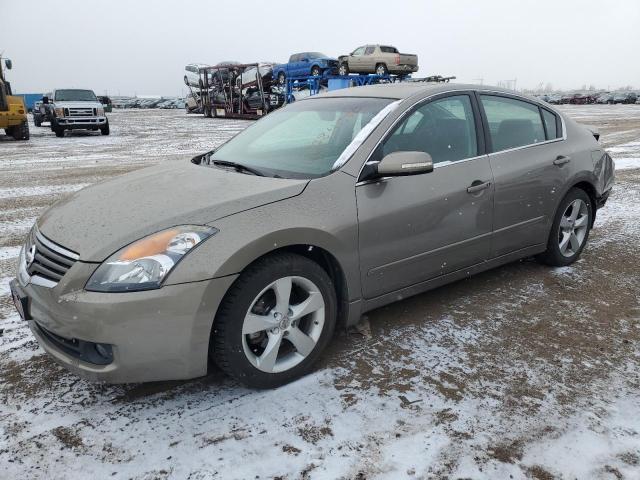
{"x": 151, "y": 335}
{"x": 81, "y": 122}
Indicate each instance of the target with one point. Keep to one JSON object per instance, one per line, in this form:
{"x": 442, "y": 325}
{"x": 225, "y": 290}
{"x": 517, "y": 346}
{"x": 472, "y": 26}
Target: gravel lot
{"x": 521, "y": 372}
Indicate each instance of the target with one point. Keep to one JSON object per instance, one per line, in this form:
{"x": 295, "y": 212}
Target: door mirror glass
{"x": 8, "y": 63}
{"x": 405, "y": 163}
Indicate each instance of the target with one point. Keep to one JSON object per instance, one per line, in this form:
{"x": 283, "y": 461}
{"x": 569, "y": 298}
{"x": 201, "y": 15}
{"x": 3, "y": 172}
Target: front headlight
{"x": 100, "y": 111}
{"x": 144, "y": 264}
{"x": 60, "y": 112}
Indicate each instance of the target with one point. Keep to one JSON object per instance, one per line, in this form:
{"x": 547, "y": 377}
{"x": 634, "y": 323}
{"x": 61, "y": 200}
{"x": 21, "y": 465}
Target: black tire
{"x": 21, "y": 132}
{"x": 59, "y": 131}
{"x": 37, "y": 120}
{"x": 105, "y": 130}
{"x": 343, "y": 69}
{"x": 316, "y": 71}
{"x": 381, "y": 69}
{"x": 226, "y": 344}
{"x": 282, "y": 78}
{"x": 553, "y": 255}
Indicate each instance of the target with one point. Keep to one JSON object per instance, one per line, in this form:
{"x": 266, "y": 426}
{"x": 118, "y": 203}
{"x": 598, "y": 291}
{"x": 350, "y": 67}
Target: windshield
{"x": 302, "y": 140}
{"x": 75, "y": 96}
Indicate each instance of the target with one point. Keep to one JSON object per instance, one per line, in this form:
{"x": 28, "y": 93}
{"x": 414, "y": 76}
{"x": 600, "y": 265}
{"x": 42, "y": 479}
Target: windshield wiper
{"x": 239, "y": 167}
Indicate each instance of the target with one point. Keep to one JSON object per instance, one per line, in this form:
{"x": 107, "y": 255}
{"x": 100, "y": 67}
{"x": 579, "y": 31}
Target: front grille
{"x": 81, "y": 112}
{"x": 46, "y": 259}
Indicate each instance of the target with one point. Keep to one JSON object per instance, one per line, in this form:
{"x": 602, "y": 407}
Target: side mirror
{"x": 45, "y": 100}
{"x": 8, "y": 63}
{"x": 398, "y": 164}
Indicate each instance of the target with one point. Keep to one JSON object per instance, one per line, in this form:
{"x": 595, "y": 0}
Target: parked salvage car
{"x": 605, "y": 98}
{"x": 327, "y": 208}
{"x": 624, "y": 97}
{"x": 38, "y": 117}
{"x": 378, "y": 59}
{"x": 305, "y": 64}
{"x": 192, "y": 74}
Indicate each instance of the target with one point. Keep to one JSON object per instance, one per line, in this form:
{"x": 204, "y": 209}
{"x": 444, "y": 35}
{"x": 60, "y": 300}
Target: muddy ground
{"x": 525, "y": 371}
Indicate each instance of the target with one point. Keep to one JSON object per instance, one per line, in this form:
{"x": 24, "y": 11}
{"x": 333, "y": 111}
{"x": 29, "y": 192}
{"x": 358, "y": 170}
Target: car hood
{"x": 99, "y": 220}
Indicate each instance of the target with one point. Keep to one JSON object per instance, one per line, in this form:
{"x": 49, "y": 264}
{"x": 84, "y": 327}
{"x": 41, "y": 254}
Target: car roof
{"x": 402, "y": 90}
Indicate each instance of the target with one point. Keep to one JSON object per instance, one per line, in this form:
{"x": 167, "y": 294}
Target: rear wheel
{"x": 570, "y": 229}
{"x": 275, "y": 321}
{"x": 381, "y": 69}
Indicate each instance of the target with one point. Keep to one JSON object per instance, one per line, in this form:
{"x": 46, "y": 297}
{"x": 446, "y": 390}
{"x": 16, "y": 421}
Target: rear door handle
{"x": 561, "y": 160}
{"x": 477, "y": 187}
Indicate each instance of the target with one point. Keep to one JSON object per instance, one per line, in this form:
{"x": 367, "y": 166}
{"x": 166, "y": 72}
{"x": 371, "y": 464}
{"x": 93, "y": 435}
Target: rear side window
{"x": 389, "y": 49}
{"x": 369, "y": 50}
{"x": 551, "y": 124}
{"x": 512, "y": 123}
{"x": 445, "y": 129}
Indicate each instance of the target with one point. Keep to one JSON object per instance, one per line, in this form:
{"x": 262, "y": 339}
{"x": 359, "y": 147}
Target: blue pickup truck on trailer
{"x": 305, "y": 64}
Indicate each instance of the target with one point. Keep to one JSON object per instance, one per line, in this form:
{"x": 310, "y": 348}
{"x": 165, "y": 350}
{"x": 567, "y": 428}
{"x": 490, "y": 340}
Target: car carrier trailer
{"x": 225, "y": 93}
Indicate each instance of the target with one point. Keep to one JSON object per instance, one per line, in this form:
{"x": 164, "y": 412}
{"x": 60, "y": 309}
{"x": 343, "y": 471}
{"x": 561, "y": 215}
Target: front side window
{"x": 302, "y": 140}
{"x": 512, "y": 123}
{"x": 444, "y": 128}
{"x": 358, "y": 51}
{"x": 75, "y": 96}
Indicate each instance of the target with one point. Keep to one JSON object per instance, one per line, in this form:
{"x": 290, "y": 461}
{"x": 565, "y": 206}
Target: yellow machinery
{"x": 13, "y": 113}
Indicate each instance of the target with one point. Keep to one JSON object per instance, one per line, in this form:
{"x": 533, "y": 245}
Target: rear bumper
{"x": 403, "y": 68}
{"x": 138, "y": 336}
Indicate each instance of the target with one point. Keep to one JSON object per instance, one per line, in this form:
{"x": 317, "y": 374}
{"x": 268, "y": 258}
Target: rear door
{"x": 414, "y": 228}
{"x": 529, "y": 159}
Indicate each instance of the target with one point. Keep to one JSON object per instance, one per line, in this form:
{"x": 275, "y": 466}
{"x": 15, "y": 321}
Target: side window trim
{"x": 485, "y": 123}
{"x": 479, "y": 126}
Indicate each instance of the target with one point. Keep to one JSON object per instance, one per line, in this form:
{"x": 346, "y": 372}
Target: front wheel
{"x": 343, "y": 69}
{"x": 105, "y": 130}
{"x": 21, "y": 132}
{"x": 570, "y": 229}
{"x": 275, "y": 321}
{"x": 315, "y": 71}
{"x": 281, "y": 78}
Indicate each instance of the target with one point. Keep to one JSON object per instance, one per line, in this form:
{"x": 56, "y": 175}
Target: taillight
{"x": 397, "y": 59}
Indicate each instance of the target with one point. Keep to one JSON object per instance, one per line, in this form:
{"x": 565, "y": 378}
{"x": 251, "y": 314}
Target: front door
{"x": 414, "y": 228}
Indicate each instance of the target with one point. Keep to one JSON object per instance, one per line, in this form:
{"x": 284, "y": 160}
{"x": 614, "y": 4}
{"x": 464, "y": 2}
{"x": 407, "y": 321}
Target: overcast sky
{"x": 141, "y": 47}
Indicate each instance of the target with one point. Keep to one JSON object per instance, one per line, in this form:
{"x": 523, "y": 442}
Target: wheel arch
{"x": 590, "y": 190}
{"x": 329, "y": 263}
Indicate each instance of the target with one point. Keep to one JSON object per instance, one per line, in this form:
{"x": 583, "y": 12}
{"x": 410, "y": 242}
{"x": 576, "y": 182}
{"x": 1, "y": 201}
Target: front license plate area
{"x": 20, "y": 300}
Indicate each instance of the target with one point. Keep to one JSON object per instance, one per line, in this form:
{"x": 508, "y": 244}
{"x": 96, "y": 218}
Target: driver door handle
{"x": 477, "y": 187}
{"x": 561, "y": 160}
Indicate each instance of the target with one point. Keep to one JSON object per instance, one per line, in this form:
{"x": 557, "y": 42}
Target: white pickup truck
{"x": 74, "y": 109}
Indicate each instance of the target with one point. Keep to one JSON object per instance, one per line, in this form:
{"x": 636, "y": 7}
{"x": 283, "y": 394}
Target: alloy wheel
{"x": 573, "y": 228}
{"x": 283, "y": 324}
